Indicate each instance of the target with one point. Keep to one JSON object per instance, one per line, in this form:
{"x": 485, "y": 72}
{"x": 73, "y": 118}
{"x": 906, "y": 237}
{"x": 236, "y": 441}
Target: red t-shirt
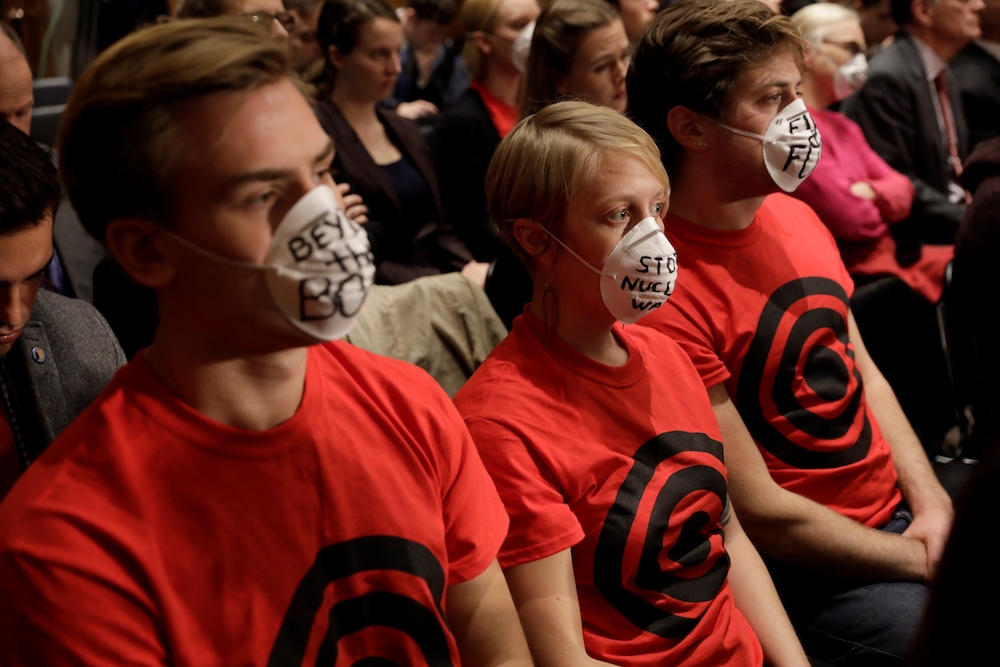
{"x": 148, "y": 534}
{"x": 764, "y": 310}
{"x": 503, "y": 115}
{"x": 625, "y": 466}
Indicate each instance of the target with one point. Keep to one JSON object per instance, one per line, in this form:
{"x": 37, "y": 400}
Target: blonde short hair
{"x": 117, "y": 140}
{"x": 553, "y": 155}
{"x": 477, "y": 15}
{"x": 812, "y": 20}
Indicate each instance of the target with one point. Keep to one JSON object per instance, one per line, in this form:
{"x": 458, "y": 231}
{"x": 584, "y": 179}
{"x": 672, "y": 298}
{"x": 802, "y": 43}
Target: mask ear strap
{"x": 745, "y": 133}
{"x": 575, "y": 254}
{"x": 211, "y": 255}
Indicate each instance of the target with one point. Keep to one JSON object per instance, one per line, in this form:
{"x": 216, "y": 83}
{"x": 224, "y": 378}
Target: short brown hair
{"x": 693, "y": 55}
{"x": 551, "y": 156}
{"x": 117, "y": 140}
{"x": 558, "y": 33}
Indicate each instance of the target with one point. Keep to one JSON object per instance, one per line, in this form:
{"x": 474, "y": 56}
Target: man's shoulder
{"x": 76, "y": 331}
{"x": 898, "y": 61}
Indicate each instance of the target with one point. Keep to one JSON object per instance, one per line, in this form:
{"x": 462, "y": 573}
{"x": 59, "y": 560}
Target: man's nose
{"x": 11, "y": 308}
{"x": 278, "y": 30}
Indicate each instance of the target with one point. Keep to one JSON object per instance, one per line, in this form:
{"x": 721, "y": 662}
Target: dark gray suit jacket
{"x": 79, "y": 356}
{"x": 896, "y": 111}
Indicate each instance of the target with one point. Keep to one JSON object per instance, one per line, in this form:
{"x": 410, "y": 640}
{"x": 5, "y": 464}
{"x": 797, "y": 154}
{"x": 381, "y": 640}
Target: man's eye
{"x": 620, "y": 215}
{"x": 657, "y": 208}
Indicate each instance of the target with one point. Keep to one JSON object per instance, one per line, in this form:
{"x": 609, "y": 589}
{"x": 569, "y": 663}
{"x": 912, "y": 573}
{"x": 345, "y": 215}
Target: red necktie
{"x": 941, "y": 83}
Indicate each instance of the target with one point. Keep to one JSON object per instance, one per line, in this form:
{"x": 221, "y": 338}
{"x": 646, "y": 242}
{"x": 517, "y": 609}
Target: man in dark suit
{"x": 912, "y": 114}
{"x": 56, "y": 354}
{"x": 977, "y": 71}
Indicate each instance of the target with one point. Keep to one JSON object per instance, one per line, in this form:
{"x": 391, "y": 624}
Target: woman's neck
{"x": 358, "y": 114}
{"x": 503, "y": 82}
{"x": 589, "y": 337}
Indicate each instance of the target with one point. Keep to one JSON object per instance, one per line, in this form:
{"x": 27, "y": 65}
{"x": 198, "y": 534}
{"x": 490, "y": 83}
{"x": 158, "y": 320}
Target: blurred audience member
{"x": 270, "y": 13}
{"x": 636, "y": 15}
{"x": 306, "y": 53}
{"x": 432, "y": 67}
{"x": 56, "y": 354}
{"x": 579, "y": 51}
{"x": 977, "y": 71}
{"x": 876, "y": 22}
{"x": 960, "y": 626}
{"x": 382, "y": 156}
{"x": 854, "y": 192}
{"x": 912, "y": 115}
{"x": 16, "y": 97}
{"x": 497, "y": 42}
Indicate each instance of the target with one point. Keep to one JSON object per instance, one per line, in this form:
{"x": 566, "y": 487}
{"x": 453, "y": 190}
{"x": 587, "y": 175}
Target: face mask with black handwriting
{"x": 319, "y": 266}
{"x": 791, "y": 146}
{"x": 640, "y": 273}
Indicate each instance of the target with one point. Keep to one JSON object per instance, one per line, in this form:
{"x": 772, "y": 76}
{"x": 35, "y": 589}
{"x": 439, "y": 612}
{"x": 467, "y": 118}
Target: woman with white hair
{"x": 854, "y": 192}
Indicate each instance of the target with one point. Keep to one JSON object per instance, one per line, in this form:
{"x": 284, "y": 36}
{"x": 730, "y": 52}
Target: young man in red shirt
{"x": 824, "y": 469}
{"x": 238, "y": 495}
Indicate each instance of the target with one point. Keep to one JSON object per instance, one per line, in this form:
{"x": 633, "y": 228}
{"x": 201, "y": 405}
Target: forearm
{"x": 544, "y": 592}
{"x": 795, "y": 530}
{"x": 485, "y": 624}
{"x": 756, "y": 598}
{"x": 917, "y": 480}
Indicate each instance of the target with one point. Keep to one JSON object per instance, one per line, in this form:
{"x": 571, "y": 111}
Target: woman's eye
{"x": 620, "y": 215}
{"x": 657, "y": 208}
{"x": 324, "y": 174}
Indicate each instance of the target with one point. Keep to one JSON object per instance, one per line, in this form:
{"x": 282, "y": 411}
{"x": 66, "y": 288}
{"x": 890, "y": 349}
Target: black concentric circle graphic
{"x": 691, "y": 549}
{"x": 375, "y": 608}
{"x": 814, "y": 386}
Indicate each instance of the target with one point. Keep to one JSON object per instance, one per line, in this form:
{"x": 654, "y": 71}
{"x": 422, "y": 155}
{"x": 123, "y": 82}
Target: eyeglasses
{"x": 286, "y": 20}
{"x": 850, "y": 46}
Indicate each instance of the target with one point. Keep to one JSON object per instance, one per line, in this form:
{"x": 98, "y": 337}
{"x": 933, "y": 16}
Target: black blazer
{"x": 464, "y": 143}
{"x": 896, "y": 111}
{"x": 978, "y": 75}
{"x": 401, "y": 256}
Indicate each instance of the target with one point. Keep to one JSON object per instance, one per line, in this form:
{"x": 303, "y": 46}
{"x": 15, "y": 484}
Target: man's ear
{"x": 688, "y": 128}
{"x": 409, "y": 15}
{"x": 335, "y": 57}
{"x": 136, "y": 245}
{"x": 535, "y": 241}
{"x": 923, "y": 12}
{"x": 483, "y": 42}
{"x": 560, "y": 84}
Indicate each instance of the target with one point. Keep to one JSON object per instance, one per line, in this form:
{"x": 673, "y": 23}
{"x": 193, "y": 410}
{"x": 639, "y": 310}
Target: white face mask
{"x": 640, "y": 273}
{"x": 850, "y": 77}
{"x": 319, "y": 266}
{"x": 521, "y": 47}
{"x": 792, "y": 145}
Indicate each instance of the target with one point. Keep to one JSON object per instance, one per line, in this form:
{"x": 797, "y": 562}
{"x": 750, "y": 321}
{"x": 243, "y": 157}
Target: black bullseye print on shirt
{"x": 403, "y": 621}
{"x": 681, "y": 558}
{"x": 799, "y": 391}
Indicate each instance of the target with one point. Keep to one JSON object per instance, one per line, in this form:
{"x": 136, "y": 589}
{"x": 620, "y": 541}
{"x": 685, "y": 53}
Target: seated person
{"x": 578, "y": 50}
{"x": 243, "y": 493}
{"x": 622, "y": 547}
{"x": 828, "y": 477}
{"x": 853, "y": 191}
{"x": 636, "y": 15}
{"x": 268, "y": 13}
{"x": 382, "y": 156}
{"x": 432, "y": 66}
{"x": 495, "y": 53}
{"x": 302, "y": 42}
{"x": 56, "y": 354}
{"x": 911, "y": 112}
